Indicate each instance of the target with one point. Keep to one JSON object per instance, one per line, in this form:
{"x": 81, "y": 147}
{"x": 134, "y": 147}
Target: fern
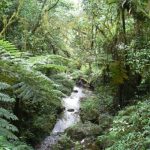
{"x": 4, "y": 86}
{"x": 36, "y": 92}
{"x": 64, "y": 83}
{"x": 33, "y": 84}
{"x": 6, "y": 114}
{"x": 6, "y": 128}
{"x": 49, "y": 62}
{"x": 59, "y": 68}
{"x": 5, "y": 124}
{"x": 9, "y": 51}
{"x": 13, "y": 145}
{"x": 6, "y": 98}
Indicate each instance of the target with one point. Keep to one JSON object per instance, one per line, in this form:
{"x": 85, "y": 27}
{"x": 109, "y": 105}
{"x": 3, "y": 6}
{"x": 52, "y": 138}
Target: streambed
{"x": 69, "y": 117}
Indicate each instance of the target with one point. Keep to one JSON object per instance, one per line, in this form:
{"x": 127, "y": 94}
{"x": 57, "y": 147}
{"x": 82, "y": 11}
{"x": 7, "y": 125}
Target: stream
{"x": 69, "y": 117}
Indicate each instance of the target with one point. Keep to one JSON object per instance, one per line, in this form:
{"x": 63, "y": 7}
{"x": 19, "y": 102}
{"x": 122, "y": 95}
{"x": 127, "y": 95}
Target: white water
{"x": 69, "y": 117}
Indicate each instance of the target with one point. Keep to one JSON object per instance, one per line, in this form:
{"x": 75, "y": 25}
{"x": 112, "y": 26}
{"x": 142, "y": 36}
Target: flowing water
{"x": 69, "y": 117}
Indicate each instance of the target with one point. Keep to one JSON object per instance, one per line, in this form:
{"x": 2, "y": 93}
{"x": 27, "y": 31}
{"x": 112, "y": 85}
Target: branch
{"x": 9, "y": 22}
{"x": 11, "y": 19}
{"x": 40, "y": 15}
{"x": 39, "y": 18}
{"x": 53, "y": 6}
{"x": 102, "y": 32}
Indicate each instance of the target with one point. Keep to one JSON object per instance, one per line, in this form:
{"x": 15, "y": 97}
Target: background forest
{"x": 47, "y": 46}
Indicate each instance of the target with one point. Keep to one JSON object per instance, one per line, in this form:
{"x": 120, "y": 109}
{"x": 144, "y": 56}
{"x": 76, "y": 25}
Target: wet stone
{"x": 70, "y": 110}
{"x": 75, "y": 91}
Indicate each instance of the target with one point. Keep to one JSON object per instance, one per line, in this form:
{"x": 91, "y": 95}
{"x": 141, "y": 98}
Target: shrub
{"x": 130, "y": 129}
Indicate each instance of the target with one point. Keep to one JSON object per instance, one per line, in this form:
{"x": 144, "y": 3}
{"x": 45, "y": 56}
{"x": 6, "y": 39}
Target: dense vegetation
{"x": 46, "y": 46}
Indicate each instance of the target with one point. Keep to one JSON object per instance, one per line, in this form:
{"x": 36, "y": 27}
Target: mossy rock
{"x": 80, "y": 131}
{"x": 64, "y": 143}
{"x": 105, "y": 120}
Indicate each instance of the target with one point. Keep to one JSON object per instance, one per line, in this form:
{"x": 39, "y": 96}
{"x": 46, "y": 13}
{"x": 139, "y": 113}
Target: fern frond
{"x": 10, "y": 50}
{"x": 48, "y": 59}
{"x": 52, "y": 67}
{"x": 4, "y": 45}
{"x": 5, "y": 98}
{"x": 6, "y": 128}
{"x": 5, "y": 144}
{"x": 5, "y": 124}
{"x": 4, "y": 86}
{"x": 32, "y": 82}
{"x": 6, "y": 114}
{"x": 64, "y": 84}
{"x": 6, "y": 133}
{"x": 48, "y": 62}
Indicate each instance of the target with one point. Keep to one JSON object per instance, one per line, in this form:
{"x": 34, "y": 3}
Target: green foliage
{"x": 6, "y": 128}
{"x": 139, "y": 60}
{"x": 29, "y": 13}
{"x": 13, "y": 145}
{"x": 5, "y": 7}
{"x": 39, "y": 95}
{"x": 97, "y": 105}
{"x": 90, "y": 109}
{"x": 104, "y": 43}
{"x": 130, "y": 129}
{"x": 65, "y": 84}
{"x": 64, "y": 142}
{"x": 23, "y": 72}
{"x": 8, "y": 140}
{"x": 81, "y": 131}
{"x": 118, "y": 73}
{"x": 38, "y": 28}
{"x": 49, "y": 63}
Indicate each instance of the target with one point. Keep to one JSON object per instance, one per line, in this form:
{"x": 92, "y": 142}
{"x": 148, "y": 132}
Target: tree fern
{"x": 33, "y": 84}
